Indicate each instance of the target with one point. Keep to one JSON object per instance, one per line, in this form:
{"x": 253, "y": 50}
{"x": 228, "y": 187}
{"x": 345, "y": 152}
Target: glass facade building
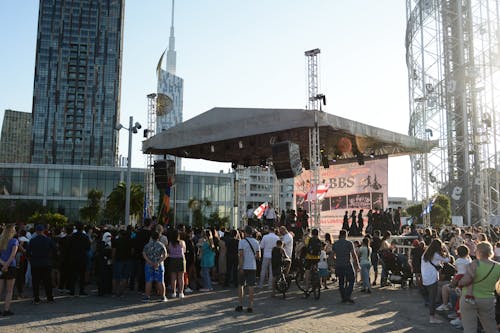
{"x": 77, "y": 82}
{"x": 64, "y": 188}
{"x": 16, "y": 137}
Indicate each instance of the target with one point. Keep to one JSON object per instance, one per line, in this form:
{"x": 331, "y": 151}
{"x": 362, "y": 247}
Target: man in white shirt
{"x": 270, "y": 216}
{"x": 266, "y": 244}
{"x": 287, "y": 240}
{"x": 248, "y": 253}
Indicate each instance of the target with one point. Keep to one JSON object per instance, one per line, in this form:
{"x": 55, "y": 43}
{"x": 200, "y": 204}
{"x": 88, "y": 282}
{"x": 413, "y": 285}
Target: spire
{"x": 171, "y": 54}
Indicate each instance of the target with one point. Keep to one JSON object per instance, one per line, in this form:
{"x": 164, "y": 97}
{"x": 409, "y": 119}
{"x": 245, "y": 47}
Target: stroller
{"x": 397, "y": 268}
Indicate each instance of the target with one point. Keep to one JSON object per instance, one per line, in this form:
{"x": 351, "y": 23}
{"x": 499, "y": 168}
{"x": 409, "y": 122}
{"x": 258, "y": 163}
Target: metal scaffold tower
{"x": 453, "y": 59}
{"x": 314, "y": 104}
{"x": 149, "y": 177}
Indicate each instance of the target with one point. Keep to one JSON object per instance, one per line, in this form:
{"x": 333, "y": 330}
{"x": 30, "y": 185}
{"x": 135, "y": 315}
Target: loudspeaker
{"x": 286, "y": 159}
{"x": 164, "y": 173}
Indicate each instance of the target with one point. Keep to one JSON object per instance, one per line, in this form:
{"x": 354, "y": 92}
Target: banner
{"x": 348, "y": 187}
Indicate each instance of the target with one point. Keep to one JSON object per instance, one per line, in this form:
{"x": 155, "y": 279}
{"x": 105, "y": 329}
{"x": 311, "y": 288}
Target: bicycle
{"x": 283, "y": 281}
{"x": 314, "y": 278}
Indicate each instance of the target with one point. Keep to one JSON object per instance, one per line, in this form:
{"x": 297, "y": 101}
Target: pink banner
{"x": 350, "y": 187}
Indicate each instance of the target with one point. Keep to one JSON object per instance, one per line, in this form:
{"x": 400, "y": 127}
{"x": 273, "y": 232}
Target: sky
{"x": 235, "y": 53}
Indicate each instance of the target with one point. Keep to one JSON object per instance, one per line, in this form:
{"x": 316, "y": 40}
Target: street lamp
{"x": 132, "y": 128}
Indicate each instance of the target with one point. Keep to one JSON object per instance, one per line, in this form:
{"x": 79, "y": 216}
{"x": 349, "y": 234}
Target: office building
{"x": 76, "y": 91}
{"x": 16, "y": 136}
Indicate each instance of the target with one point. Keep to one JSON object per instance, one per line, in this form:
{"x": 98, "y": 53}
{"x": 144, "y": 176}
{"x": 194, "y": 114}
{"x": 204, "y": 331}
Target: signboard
{"x": 342, "y": 188}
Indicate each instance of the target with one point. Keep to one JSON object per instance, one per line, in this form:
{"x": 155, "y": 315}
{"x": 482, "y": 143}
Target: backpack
{"x": 314, "y": 247}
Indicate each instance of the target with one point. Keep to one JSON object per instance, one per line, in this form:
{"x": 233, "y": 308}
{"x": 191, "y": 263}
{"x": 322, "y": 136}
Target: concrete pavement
{"x": 390, "y": 309}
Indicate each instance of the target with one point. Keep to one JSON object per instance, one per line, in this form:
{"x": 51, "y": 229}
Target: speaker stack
{"x": 286, "y": 159}
{"x": 164, "y": 173}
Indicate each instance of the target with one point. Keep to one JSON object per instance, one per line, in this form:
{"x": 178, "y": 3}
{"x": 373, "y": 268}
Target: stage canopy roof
{"x": 246, "y": 136}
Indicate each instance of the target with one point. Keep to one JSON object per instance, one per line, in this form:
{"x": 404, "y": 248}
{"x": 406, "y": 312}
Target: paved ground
{"x": 390, "y": 309}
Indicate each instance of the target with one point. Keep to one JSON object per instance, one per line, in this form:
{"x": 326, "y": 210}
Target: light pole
{"x": 131, "y": 129}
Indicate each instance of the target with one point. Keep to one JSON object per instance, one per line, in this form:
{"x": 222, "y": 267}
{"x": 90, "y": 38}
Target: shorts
{"x": 247, "y": 277}
{"x": 310, "y": 262}
{"x": 122, "y": 269}
{"x": 152, "y": 274}
{"x": 10, "y": 274}
{"x": 323, "y": 272}
{"x": 176, "y": 265}
{"x": 374, "y": 259}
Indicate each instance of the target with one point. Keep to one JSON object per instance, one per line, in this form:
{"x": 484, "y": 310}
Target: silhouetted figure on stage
{"x": 345, "y": 224}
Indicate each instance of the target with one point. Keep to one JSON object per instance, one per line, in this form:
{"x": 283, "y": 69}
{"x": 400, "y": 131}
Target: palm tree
{"x": 115, "y": 203}
{"x": 91, "y": 211}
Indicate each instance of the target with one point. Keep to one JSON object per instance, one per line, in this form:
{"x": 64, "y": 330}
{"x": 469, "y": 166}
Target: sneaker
{"x": 456, "y": 322}
{"x": 453, "y": 315}
{"x": 7, "y": 313}
{"x": 239, "y": 308}
{"x": 146, "y": 299}
{"x": 181, "y": 295}
{"x": 188, "y": 290}
{"x": 350, "y": 300}
{"x": 443, "y": 307}
{"x": 164, "y": 299}
{"x": 36, "y": 301}
{"x": 435, "y": 320}
{"x": 174, "y": 295}
{"x": 368, "y": 291}
{"x": 249, "y": 310}
{"x": 205, "y": 289}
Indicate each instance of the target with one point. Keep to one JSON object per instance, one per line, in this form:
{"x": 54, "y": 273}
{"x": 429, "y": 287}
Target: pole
{"x": 129, "y": 171}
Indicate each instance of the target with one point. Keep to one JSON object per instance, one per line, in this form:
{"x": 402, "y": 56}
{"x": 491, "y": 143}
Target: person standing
{"x": 270, "y": 216}
{"x": 248, "y": 254}
{"x": 345, "y": 223}
{"x": 267, "y": 244}
{"x": 154, "y": 255}
{"x": 482, "y": 275}
{"x": 434, "y": 256}
{"x": 8, "y": 250}
{"x": 232, "y": 258}
{"x": 176, "y": 262}
{"x": 40, "y": 250}
{"x": 78, "y": 246}
{"x": 122, "y": 261}
{"x": 365, "y": 263}
{"x": 346, "y": 257}
{"x": 361, "y": 224}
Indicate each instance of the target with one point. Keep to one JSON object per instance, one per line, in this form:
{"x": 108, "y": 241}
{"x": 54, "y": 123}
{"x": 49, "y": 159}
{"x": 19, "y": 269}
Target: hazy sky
{"x": 244, "y": 54}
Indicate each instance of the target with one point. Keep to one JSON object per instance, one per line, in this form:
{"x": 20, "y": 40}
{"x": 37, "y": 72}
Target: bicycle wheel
{"x": 316, "y": 285}
{"x": 300, "y": 281}
{"x": 281, "y": 285}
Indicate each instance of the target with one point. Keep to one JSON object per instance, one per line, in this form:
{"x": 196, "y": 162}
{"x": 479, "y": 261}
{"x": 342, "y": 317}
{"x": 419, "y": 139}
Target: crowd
{"x": 456, "y": 268}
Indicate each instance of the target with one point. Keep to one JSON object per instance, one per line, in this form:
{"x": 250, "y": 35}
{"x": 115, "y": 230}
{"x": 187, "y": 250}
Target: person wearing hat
{"x": 39, "y": 251}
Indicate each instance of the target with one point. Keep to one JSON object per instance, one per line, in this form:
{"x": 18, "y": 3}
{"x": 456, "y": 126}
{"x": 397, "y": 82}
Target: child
{"x": 461, "y": 266}
{"x": 278, "y": 259}
{"x": 323, "y": 265}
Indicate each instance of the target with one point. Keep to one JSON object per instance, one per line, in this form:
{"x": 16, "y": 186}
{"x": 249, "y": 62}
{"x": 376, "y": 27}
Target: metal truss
{"x": 453, "y": 57}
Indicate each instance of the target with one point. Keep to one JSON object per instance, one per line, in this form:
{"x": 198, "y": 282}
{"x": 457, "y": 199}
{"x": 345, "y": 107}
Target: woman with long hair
{"x": 481, "y": 275}
{"x": 207, "y": 258}
{"x": 434, "y": 257}
{"x": 8, "y": 250}
{"x": 176, "y": 262}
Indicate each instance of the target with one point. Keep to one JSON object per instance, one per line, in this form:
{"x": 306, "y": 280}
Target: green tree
{"x": 198, "y": 209}
{"x": 115, "y": 202}
{"x": 51, "y": 219}
{"x": 441, "y": 211}
{"x": 215, "y": 220}
{"x": 90, "y": 213}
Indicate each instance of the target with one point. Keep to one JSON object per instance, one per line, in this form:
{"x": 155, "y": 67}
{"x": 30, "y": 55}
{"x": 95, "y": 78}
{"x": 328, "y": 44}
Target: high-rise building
{"x": 16, "y": 136}
{"x": 76, "y": 92}
{"x": 170, "y": 85}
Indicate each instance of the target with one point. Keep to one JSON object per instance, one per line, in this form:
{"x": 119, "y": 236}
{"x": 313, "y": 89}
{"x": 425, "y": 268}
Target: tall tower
{"x": 171, "y": 85}
{"x": 76, "y": 91}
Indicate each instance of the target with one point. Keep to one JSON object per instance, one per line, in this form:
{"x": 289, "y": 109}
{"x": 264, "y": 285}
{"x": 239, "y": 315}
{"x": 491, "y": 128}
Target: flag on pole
{"x": 428, "y": 208}
{"x": 317, "y": 193}
{"x": 260, "y": 210}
